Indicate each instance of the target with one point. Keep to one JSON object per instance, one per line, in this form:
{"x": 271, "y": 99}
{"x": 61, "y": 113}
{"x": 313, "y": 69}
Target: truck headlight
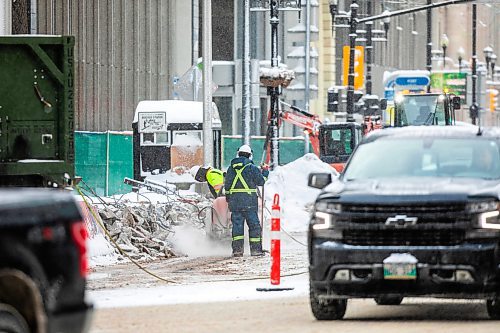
{"x": 328, "y": 207}
{"x": 489, "y": 214}
{"x": 321, "y": 221}
{"x": 482, "y": 206}
{"x": 490, "y": 220}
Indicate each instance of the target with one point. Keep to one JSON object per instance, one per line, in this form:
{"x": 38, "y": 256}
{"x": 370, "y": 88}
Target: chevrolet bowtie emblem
{"x": 401, "y": 221}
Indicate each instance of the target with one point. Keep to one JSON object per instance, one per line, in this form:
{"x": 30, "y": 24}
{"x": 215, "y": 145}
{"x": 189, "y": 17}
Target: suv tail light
{"x": 80, "y": 235}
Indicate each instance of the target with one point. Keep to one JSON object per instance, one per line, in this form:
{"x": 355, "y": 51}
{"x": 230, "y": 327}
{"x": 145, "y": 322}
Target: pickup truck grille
{"x": 403, "y": 237}
{"x": 428, "y": 208}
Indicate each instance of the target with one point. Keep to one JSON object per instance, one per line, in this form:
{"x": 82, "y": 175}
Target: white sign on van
{"x": 150, "y": 122}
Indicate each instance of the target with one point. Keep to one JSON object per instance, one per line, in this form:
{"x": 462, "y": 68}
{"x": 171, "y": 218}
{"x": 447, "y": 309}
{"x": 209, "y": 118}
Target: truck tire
{"x": 11, "y": 320}
{"x": 388, "y": 300}
{"x": 15, "y": 255}
{"x": 493, "y": 307}
{"x": 328, "y": 309}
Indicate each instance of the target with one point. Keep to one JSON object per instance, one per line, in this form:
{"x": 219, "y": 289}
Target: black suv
{"x": 415, "y": 213}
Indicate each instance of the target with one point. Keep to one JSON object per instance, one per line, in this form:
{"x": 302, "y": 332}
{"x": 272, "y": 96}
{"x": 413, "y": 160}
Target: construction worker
{"x": 241, "y": 183}
{"x": 213, "y": 177}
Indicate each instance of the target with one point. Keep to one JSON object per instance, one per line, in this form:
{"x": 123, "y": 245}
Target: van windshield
{"x": 422, "y": 110}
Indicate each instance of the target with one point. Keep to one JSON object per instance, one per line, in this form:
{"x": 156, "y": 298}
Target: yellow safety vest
{"x": 216, "y": 179}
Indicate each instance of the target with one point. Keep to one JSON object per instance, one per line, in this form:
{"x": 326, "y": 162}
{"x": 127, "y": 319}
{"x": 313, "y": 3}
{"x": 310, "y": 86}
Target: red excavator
{"x": 333, "y": 143}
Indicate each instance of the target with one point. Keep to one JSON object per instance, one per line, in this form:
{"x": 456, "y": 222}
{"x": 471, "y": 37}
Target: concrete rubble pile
{"x": 142, "y": 230}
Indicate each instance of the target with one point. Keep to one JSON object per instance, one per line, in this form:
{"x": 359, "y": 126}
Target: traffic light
{"x": 333, "y": 100}
{"x": 493, "y": 94}
{"x": 474, "y": 111}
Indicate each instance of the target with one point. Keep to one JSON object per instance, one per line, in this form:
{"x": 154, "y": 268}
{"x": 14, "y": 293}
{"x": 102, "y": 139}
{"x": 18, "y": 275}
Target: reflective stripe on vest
{"x": 239, "y": 177}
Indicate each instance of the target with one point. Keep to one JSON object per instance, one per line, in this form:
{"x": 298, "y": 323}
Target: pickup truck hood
{"x": 416, "y": 189}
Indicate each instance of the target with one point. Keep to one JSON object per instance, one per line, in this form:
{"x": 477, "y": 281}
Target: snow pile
{"x": 101, "y": 252}
{"x": 290, "y": 182}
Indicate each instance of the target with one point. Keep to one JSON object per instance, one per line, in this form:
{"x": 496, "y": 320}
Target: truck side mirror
{"x": 455, "y": 101}
{"x": 319, "y": 180}
{"x": 383, "y": 104}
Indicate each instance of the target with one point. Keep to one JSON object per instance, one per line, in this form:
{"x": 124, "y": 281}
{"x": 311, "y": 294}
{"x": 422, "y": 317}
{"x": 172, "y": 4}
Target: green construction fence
{"x": 289, "y": 148}
{"x": 104, "y": 159}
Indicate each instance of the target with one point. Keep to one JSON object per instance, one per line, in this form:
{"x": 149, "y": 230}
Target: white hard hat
{"x": 245, "y": 149}
{"x": 194, "y": 170}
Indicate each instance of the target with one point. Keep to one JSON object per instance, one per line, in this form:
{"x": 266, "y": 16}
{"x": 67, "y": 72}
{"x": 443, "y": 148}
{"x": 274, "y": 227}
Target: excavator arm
{"x": 309, "y": 122}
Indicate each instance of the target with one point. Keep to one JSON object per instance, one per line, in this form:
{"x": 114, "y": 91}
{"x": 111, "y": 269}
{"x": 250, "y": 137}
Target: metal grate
{"x": 428, "y": 208}
{"x": 403, "y": 237}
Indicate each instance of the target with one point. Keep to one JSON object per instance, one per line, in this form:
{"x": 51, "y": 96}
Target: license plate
{"x": 400, "y": 267}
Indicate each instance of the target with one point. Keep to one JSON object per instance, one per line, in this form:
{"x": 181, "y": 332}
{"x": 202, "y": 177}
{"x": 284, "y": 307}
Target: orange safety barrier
{"x": 275, "y": 241}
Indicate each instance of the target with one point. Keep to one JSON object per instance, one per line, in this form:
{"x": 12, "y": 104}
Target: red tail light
{"x": 80, "y": 235}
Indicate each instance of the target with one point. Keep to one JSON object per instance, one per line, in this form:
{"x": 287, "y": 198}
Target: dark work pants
{"x": 238, "y": 219}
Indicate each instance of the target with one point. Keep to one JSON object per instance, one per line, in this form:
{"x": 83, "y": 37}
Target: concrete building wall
{"x": 456, "y": 23}
{"x": 126, "y": 51}
{"x": 326, "y": 65}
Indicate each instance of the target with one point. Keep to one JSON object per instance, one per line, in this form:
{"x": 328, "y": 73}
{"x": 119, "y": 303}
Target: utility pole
{"x": 474, "y": 108}
{"x": 274, "y": 91}
{"x": 352, "y": 53}
{"x": 208, "y": 152}
{"x": 429, "y": 41}
{"x": 195, "y": 37}
{"x": 369, "y": 48}
{"x": 307, "y": 55}
{"x": 246, "y": 75}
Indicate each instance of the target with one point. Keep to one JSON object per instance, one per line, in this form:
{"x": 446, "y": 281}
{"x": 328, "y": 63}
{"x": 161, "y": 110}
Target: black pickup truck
{"x": 415, "y": 213}
{"x": 43, "y": 262}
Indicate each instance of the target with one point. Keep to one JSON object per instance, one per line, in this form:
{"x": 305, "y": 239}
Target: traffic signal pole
{"x": 354, "y": 21}
{"x": 352, "y": 54}
{"x": 274, "y": 91}
{"x": 474, "y": 108}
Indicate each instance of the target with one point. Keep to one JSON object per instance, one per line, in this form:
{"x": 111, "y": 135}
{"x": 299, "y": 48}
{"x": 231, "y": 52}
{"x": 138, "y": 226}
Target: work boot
{"x": 238, "y": 248}
{"x": 256, "y": 249}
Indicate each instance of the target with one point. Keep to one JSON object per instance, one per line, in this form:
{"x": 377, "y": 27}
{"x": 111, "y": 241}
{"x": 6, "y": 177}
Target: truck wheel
{"x": 493, "y": 307}
{"x": 11, "y": 320}
{"x": 388, "y": 300}
{"x": 328, "y": 309}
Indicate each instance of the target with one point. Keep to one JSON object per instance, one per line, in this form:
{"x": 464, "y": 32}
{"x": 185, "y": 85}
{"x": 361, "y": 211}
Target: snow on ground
{"x": 101, "y": 252}
{"x": 198, "y": 293}
{"x": 290, "y": 182}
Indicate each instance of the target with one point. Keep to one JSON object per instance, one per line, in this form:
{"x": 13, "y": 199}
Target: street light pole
{"x": 208, "y": 153}
{"x": 274, "y": 91}
{"x": 444, "y": 45}
{"x": 429, "y": 41}
{"x": 493, "y": 60}
{"x": 488, "y": 51}
{"x": 474, "y": 108}
{"x": 352, "y": 53}
{"x": 369, "y": 49}
{"x": 246, "y": 74}
{"x": 461, "y": 53}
